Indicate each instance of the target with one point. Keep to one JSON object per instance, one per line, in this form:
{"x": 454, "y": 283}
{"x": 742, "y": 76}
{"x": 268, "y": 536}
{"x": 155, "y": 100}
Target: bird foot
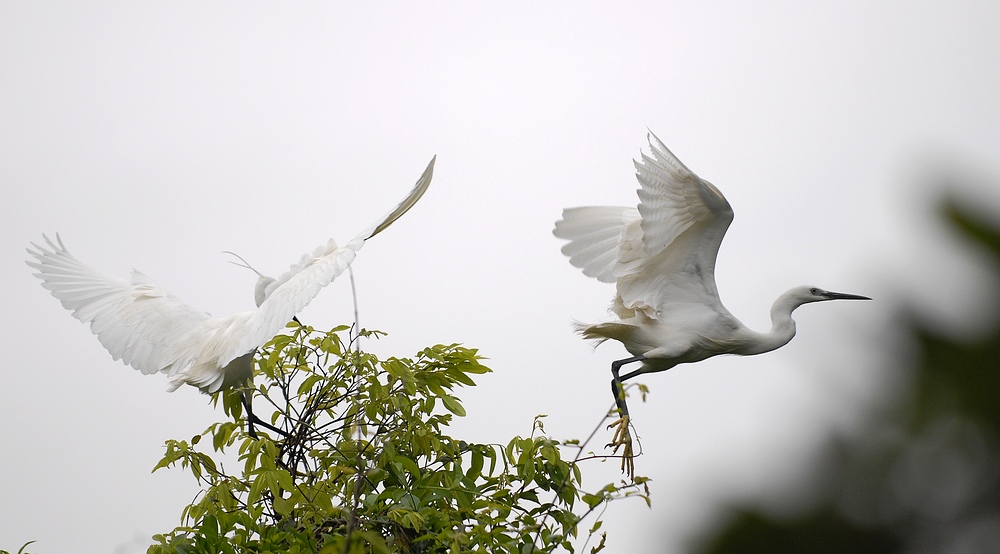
{"x": 622, "y": 438}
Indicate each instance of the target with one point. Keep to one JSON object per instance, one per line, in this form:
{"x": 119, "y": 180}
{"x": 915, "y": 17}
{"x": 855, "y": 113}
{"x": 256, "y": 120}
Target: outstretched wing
{"x": 291, "y": 292}
{"x": 594, "y": 234}
{"x": 672, "y": 199}
{"x": 138, "y": 322}
{"x": 661, "y": 253}
{"x": 683, "y": 219}
{"x": 152, "y": 330}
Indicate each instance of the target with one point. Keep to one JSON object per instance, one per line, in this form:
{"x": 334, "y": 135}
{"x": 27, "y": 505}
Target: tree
{"x": 359, "y": 462}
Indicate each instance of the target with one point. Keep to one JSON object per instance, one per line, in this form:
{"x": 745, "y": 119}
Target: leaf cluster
{"x": 359, "y": 461}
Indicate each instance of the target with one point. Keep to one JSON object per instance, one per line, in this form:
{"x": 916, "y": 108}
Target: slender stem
{"x": 354, "y": 296}
{"x": 565, "y": 480}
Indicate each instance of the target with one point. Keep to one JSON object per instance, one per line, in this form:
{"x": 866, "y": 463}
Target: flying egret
{"x": 153, "y": 331}
{"x": 661, "y": 256}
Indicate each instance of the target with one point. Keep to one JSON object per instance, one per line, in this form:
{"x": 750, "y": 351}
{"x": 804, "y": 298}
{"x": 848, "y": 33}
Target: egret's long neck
{"x": 782, "y": 326}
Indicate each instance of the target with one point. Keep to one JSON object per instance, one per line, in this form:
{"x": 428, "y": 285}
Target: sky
{"x": 156, "y": 135}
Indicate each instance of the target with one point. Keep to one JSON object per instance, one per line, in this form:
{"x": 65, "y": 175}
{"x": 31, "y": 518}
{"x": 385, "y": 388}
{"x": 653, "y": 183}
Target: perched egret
{"x": 661, "y": 256}
{"x": 153, "y": 331}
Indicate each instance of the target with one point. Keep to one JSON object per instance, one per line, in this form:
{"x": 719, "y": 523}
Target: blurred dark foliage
{"x": 924, "y": 474}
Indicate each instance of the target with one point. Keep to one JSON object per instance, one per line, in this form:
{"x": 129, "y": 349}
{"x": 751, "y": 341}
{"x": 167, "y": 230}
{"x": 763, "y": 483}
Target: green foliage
{"x": 363, "y": 464}
{"x": 20, "y": 550}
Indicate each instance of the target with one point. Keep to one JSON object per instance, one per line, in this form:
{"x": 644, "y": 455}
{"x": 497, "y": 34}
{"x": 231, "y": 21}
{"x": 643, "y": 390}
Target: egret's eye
{"x": 814, "y": 291}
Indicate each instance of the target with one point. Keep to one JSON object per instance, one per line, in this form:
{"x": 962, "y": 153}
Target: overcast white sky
{"x": 155, "y": 135}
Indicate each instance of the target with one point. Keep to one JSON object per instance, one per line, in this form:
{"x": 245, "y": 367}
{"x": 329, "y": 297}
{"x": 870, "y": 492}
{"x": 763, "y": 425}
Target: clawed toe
{"x": 621, "y": 438}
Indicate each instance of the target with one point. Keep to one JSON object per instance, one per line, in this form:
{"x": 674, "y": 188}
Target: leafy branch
{"x": 360, "y": 462}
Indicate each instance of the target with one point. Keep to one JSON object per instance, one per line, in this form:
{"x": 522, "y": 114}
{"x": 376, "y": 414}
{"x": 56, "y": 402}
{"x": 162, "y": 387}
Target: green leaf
{"x": 256, "y": 489}
{"x": 476, "y": 464}
{"x": 453, "y": 405}
{"x": 284, "y": 479}
{"x": 283, "y": 506}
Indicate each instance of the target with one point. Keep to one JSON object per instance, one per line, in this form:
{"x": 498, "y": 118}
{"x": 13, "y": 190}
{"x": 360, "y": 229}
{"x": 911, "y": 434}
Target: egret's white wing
{"x": 150, "y": 329}
{"x": 291, "y": 292}
{"x": 670, "y": 259}
{"x": 330, "y": 247}
{"x": 672, "y": 198}
{"x": 138, "y": 322}
{"x": 418, "y": 191}
{"x": 594, "y": 234}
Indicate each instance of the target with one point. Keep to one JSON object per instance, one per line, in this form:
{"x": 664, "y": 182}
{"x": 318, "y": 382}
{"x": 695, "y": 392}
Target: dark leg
{"x": 252, "y": 419}
{"x": 622, "y": 437}
{"x": 632, "y": 374}
{"x": 616, "y": 381}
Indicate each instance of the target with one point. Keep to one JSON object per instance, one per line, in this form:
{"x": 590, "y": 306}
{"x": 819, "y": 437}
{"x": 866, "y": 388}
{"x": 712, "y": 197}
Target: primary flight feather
{"x": 153, "y": 331}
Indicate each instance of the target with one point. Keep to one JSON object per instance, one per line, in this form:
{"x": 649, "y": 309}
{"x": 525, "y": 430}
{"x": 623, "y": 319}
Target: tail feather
{"x": 601, "y": 332}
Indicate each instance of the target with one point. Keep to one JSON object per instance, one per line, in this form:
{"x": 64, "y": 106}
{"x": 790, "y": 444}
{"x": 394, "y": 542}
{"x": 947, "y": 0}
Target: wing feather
{"x": 152, "y": 330}
{"x": 683, "y": 221}
{"x": 661, "y": 254}
{"x": 330, "y": 247}
{"x": 133, "y": 320}
{"x": 672, "y": 198}
{"x": 291, "y": 292}
{"x": 594, "y": 233}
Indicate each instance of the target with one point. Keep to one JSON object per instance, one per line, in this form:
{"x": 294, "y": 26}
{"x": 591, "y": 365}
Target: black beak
{"x": 843, "y": 296}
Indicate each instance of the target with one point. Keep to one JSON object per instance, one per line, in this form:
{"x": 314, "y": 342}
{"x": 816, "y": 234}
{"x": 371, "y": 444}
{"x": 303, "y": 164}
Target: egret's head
{"x": 806, "y": 294}
{"x": 260, "y": 289}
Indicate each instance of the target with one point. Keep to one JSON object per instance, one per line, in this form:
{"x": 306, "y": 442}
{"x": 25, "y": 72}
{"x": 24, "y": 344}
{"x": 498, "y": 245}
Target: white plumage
{"x": 661, "y": 257}
{"x": 153, "y": 331}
